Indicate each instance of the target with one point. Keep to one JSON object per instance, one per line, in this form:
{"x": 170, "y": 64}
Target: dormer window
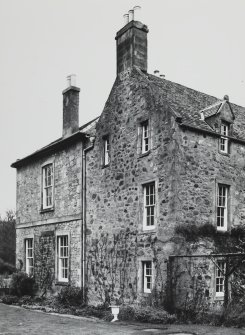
{"x": 224, "y": 132}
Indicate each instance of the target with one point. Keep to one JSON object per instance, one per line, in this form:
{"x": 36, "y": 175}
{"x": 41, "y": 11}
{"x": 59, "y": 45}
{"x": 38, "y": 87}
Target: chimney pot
{"x": 137, "y": 13}
{"x": 71, "y": 80}
{"x": 156, "y": 73}
{"x": 126, "y": 19}
{"x": 226, "y": 97}
{"x": 131, "y": 15}
{"x": 162, "y": 75}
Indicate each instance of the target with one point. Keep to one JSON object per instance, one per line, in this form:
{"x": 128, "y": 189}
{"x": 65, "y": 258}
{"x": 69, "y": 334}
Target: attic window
{"x": 224, "y": 132}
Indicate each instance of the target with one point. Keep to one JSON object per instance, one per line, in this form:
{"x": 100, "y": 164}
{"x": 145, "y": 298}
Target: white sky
{"x": 198, "y": 43}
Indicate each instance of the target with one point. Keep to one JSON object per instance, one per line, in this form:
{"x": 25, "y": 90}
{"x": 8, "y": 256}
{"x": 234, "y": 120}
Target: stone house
{"x": 99, "y": 208}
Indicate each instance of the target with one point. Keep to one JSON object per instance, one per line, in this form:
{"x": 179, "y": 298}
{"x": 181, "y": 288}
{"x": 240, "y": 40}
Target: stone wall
{"x": 115, "y": 192}
{"x": 202, "y": 168}
{"x": 67, "y": 187}
{"x": 45, "y": 249}
{"x": 44, "y": 226}
{"x": 185, "y": 165}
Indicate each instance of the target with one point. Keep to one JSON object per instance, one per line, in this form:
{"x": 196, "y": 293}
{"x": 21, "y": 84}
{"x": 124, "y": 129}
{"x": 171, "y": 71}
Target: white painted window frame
{"x": 145, "y": 128}
{"x": 46, "y": 187}
{"x": 29, "y": 256}
{"x": 222, "y": 207}
{"x": 149, "y": 205}
{"x": 63, "y": 257}
{"x": 147, "y": 267}
{"x": 220, "y": 279}
{"x": 224, "y": 131}
{"x": 106, "y": 151}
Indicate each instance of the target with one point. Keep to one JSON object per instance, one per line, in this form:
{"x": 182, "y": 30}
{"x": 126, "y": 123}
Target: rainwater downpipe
{"x": 83, "y": 223}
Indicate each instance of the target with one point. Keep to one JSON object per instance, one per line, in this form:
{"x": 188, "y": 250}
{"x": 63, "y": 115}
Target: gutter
{"x": 211, "y": 133}
{"x": 83, "y": 221}
{"x": 60, "y": 144}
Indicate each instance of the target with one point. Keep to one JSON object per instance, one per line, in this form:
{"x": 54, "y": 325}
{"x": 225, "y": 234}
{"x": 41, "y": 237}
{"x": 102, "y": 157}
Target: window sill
{"x": 62, "y": 283}
{"x": 45, "y": 210}
{"x": 141, "y": 155}
{"x": 152, "y": 230}
{"x": 216, "y": 298}
{"x": 224, "y": 153}
{"x": 222, "y": 231}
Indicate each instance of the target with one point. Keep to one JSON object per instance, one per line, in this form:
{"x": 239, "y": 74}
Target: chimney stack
{"x": 132, "y": 43}
{"x": 70, "y": 107}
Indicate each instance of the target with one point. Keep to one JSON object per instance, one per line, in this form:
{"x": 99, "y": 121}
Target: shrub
{"x": 10, "y": 299}
{"x": 71, "y": 296}
{"x": 145, "y": 314}
{"x": 25, "y": 300}
{"x": 126, "y": 313}
{"x": 21, "y": 284}
{"x": 6, "y": 268}
{"x": 238, "y": 232}
{"x": 191, "y": 232}
{"x": 188, "y": 231}
{"x": 207, "y": 230}
{"x": 153, "y": 315}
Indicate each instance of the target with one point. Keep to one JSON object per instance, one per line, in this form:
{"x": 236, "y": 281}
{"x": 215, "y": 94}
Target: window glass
{"x": 220, "y": 279}
{"x": 149, "y": 206}
{"x": 147, "y": 277}
{"x": 47, "y": 186}
{"x": 145, "y": 137}
{"x": 106, "y": 151}
{"x": 29, "y": 256}
{"x": 224, "y": 131}
{"x": 222, "y": 212}
{"x": 63, "y": 256}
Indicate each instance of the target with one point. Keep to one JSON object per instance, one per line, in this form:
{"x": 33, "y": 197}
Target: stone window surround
{"x": 227, "y": 183}
{"x": 142, "y": 207}
{"x": 145, "y": 140}
{"x": 226, "y": 138}
{"x": 140, "y": 123}
{"x": 106, "y": 155}
{"x": 141, "y": 261}
{"x": 51, "y": 208}
{"x": 57, "y": 234}
{"x": 218, "y": 295}
{"x": 28, "y": 237}
{"x": 213, "y": 281}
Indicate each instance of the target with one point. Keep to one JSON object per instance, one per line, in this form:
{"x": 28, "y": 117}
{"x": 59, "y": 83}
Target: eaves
{"x": 209, "y": 132}
{"x": 60, "y": 144}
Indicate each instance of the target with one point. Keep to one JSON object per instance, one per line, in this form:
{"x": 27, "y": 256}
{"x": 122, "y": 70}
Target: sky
{"x": 197, "y": 43}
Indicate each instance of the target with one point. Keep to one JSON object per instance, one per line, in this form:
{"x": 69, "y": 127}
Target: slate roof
{"x": 86, "y": 129}
{"x": 188, "y": 105}
{"x": 212, "y": 110}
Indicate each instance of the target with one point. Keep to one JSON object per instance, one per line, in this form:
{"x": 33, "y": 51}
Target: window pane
{"x": 220, "y": 277}
{"x": 63, "y": 253}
